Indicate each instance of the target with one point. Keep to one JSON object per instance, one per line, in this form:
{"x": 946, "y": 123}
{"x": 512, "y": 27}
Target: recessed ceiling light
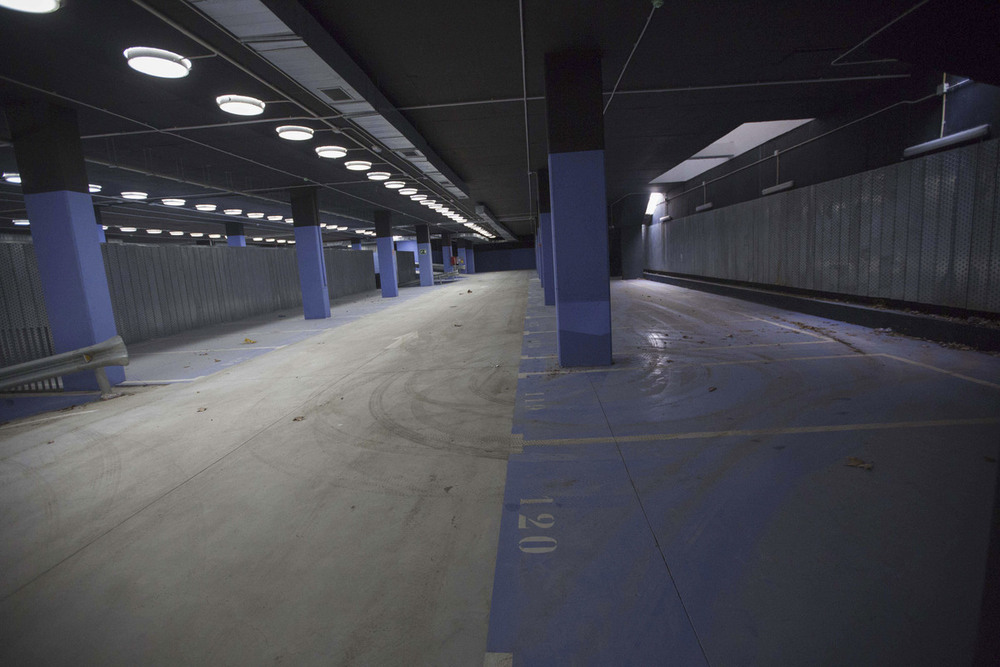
{"x": 427, "y": 202}
{"x": 407, "y": 191}
{"x": 21, "y": 222}
{"x": 176, "y": 233}
{"x": 275, "y": 217}
{"x": 32, "y": 6}
{"x": 127, "y": 229}
{"x": 331, "y": 152}
{"x": 154, "y": 231}
{"x": 394, "y": 185}
{"x": 291, "y": 241}
{"x": 157, "y": 62}
{"x": 133, "y": 195}
{"x": 240, "y": 105}
{"x": 93, "y": 187}
{"x": 104, "y": 227}
{"x": 173, "y": 202}
{"x": 359, "y": 231}
{"x": 205, "y": 207}
{"x": 358, "y": 165}
{"x": 215, "y": 236}
{"x": 258, "y": 238}
{"x": 269, "y": 240}
{"x": 379, "y": 175}
{"x": 12, "y": 177}
{"x": 233, "y": 211}
{"x": 322, "y": 225}
{"x": 418, "y": 197}
{"x": 196, "y": 235}
{"x": 282, "y": 241}
{"x": 295, "y": 132}
{"x": 290, "y": 221}
{"x": 255, "y": 216}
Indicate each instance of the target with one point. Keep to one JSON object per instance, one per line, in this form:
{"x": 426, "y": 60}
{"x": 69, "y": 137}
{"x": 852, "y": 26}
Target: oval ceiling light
{"x": 32, "y": 6}
{"x": 269, "y": 240}
{"x": 93, "y": 187}
{"x": 196, "y": 235}
{"x": 127, "y": 229}
{"x": 290, "y": 221}
{"x": 215, "y": 236}
{"x": 154, "y": 231}
{"x": 157, "y": 62}
{"x": 134, "y": 195}
{"x": 255, "y": 216}
{"x": 275, "y": 218}
{"x": 205, "y": 207}
{"x": 331, "y": 152}
{"x": 418, "y": 197}
{"x": 394, "y": 185}
{"x": 358, "y": 165}
{"x": 258, "y": 238}
{"x": 21, "y": 222}
{"x": 233, "y": 211}
{"x": 295, "y": 132}
{"x": 240, "y": 105}
{"x": 174, "y": 202}
{"x": 176, "y": 233}
{"x": 428, "y": 202}
{"x": 379, "y": 175}
{"x": 407, "y": 191}
{"x": 12, "y": 177}
{"x": 282, "y": 240}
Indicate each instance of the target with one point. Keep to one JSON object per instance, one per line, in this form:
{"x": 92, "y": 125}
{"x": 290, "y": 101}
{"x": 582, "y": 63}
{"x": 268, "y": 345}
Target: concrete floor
{"x": 688, "y": 505}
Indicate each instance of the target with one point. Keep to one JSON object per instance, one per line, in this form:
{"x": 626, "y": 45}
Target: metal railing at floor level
{"x": 111, "y": 352}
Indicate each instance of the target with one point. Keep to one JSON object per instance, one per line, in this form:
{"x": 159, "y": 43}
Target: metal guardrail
{"x": 111, "y": 352}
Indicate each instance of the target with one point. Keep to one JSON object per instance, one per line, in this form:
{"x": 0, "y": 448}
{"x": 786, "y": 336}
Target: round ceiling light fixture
{"x": 134, "y": 195}
{"x": 240, "y": 105}
{"x": 275, "y": 218}
{"x": 157, "y": 62}
{"x": 418, "y": 197}
{"x": 295, "y": 132}
{"x": 12, "y": 177}
{"x": 205, "y": 207}
{"x": 258, "y": 238}
{"x": 379, "y": 175}
{"x": 290, "y": 221}
{"x": 93, "y": 187}
{"x": 255, "y": 216}
{"x": 331, "y": 152}
{"x": 174, "y": 202}
{"x": 176, "y": 233}
{"x": 32, "y": 6}
{"x": 358, "y": 165}
{"x": 233, "y": 211}
{"x": 269, "y": 240}
{"x": 394, "y": 185}
{"x": 21, "y": 222}
{"x": 428, "y": 202}
{"x": 407, "y": 191}
{"x": 215, "y": 236}
{"x": 154, "y": 231}
{"x": 127, "y": 229}
{"x": 196, "y": 235}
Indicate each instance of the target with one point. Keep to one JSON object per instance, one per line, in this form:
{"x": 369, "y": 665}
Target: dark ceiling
{"x": 452, "y": 71}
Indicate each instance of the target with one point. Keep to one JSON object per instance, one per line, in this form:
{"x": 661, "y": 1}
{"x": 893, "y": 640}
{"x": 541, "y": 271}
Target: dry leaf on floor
{"x": 458, "y": 325}
{"x": 202, "y": 409}
{"x": 855, "y": 462}
{"x": 218, "y": 360}
{"x": 248, "y": 341}
{"x": 299, "y": 418}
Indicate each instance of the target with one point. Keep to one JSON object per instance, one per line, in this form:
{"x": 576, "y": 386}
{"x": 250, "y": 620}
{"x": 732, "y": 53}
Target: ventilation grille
{"x": 337, "y": 94}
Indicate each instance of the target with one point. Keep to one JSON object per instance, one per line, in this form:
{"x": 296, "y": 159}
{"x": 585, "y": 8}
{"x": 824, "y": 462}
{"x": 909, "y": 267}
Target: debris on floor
{"x": 712, "y": 388}
{"x": 248, "y": 341}
{"x": 218, "y": 360}
{"x": 202, "y": 409}
{"x": 458, "y": 325}
{"x": 299, "y": 418}
{"x": 855, "y": 462}
{"x": 468, "y": 291}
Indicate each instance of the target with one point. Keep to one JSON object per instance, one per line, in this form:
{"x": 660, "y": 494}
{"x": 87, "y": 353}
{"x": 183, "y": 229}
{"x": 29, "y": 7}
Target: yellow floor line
{"x": 985, "y": 383}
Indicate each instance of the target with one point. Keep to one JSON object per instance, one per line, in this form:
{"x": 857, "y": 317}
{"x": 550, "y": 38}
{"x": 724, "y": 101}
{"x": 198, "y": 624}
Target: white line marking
{"x": 785, "y": 326}
{"x": 544, "y": 356}
{"x": 45, "y": 419}
{"x": 140, "y": 383}
{"x": 211, "y": 349}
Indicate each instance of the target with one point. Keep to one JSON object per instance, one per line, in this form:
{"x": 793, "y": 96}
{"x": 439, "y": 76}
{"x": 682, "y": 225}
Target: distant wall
{"x": 406, "y": 268}
{"x": 504, "y": 259}
{"x": 348, "y": 271}
{"x": 923, "y": 231}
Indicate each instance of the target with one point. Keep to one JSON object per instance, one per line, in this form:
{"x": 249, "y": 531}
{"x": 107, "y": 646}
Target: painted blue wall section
{"x": 470, "y": 258}
{"x": 545, "y": 252}
{"x": 387, "y": 267}
{"x": 508, "y": 259}
{"x": 538, "y": 260}
{"x": 424, "y": 257}
{"x": 580, "y": 258}
{"x": 463, "y": 267}
{"x": 312, "y": 272}
{"x": 100, "y": 234}
{"x": 71, "y": 268}
{"x": 239, "y": 241}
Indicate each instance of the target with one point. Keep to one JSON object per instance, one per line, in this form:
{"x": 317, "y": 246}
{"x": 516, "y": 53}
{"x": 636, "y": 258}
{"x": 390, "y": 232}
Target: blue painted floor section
{"x": 190, "y": 355}
{"x": 700, "y": 500}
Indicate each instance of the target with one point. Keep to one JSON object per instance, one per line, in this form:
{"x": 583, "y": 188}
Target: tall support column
{"x": 355, "y": 244}
{"x": 236, "y": 235}
{"x": 470, "y": 258}
{"x": 462, "y": 256}
{"x": 545, "y": 237}
{"x": 386, "y": 254}
{"x": 309, "y": 253}
{"x": 446, "y": 252}
{"x": 424, "y": 256}
{"x": 581, "y": 268}
{"x": 64, "y": 231}
{"x": 101, "y": 236}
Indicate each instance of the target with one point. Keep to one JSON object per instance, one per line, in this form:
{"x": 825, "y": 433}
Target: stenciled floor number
{"x": 536, "y": 544}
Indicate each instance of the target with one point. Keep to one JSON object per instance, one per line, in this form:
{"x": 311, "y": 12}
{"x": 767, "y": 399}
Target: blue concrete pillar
{"x": 446, "y": 252}
{"x": 386, "y": 254}
{"x": 424, "y": 256}
{"x": 355, "y": 244}
{"x": 236, "y": 236}
{"x": 581, "y": 270}
{"x": 309, "y": 253}
{"x": 470, "y": 258}
{"x": 545, "y": 238}
{"x": 463, "y": 261}
{"x": 101, "y": 236}
{"x": 538, "y": 259}
{"x": 64, "y": 231}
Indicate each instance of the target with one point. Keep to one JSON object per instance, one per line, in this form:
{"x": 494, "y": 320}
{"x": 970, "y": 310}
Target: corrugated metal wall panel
{"x": 925, "y": 230}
